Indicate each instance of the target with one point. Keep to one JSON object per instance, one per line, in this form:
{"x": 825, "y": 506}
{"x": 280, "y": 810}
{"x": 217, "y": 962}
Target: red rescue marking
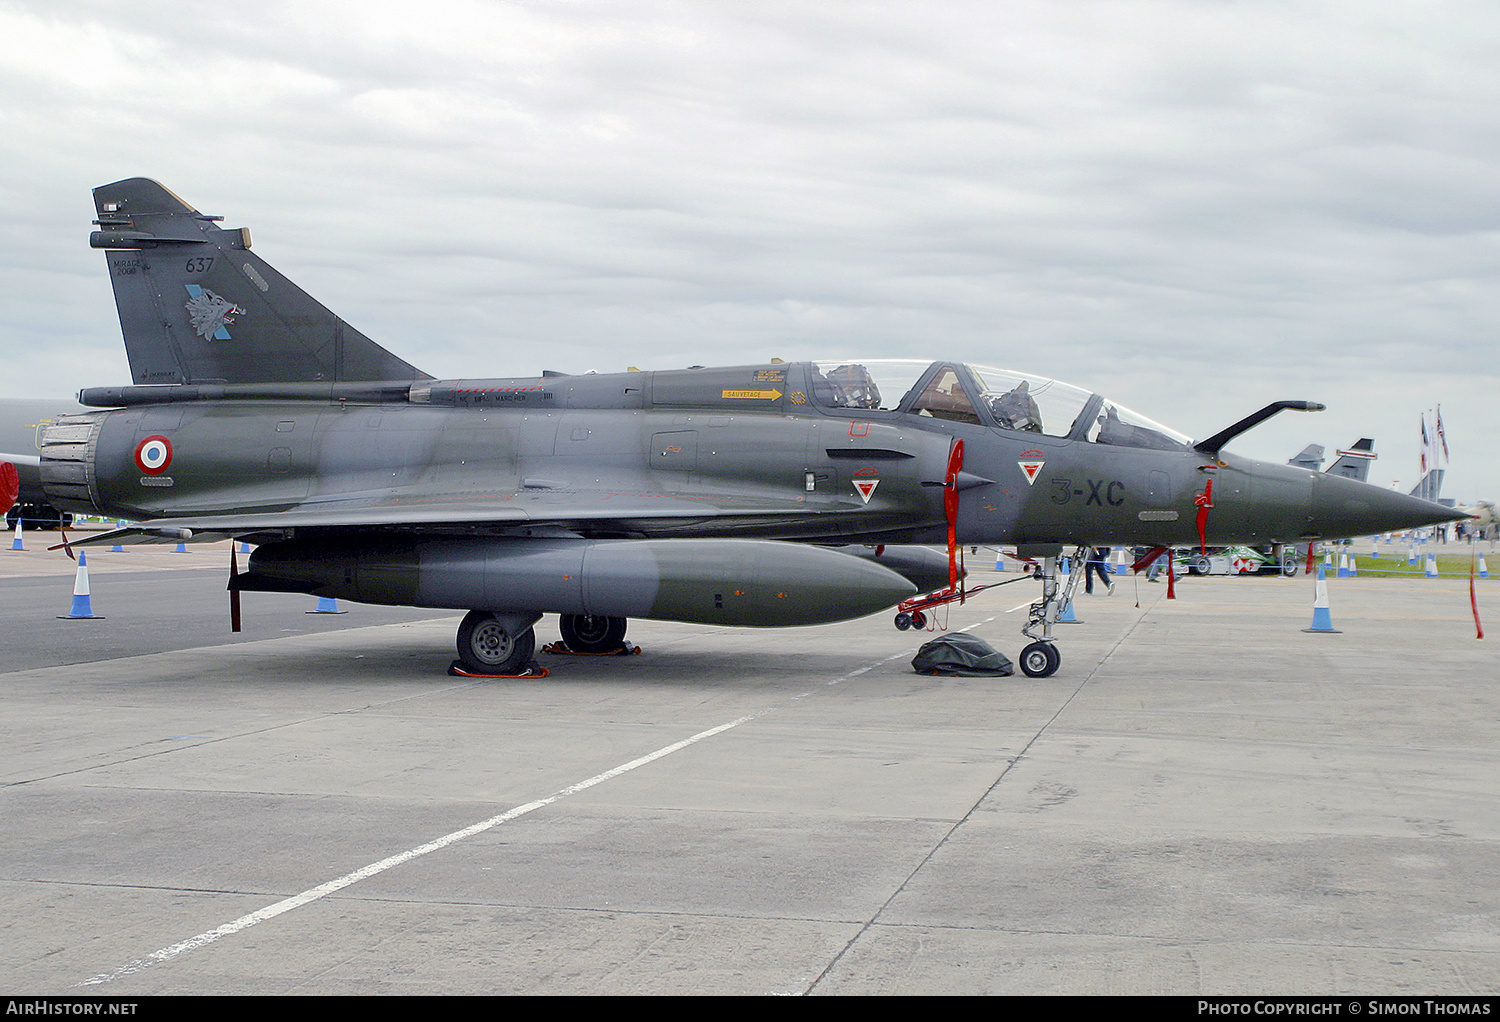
{"x": 1031, "y": 463}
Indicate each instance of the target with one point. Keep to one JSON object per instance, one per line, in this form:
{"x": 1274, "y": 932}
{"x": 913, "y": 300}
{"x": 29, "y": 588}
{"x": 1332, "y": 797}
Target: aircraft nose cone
{"x": 1345, "y": 507}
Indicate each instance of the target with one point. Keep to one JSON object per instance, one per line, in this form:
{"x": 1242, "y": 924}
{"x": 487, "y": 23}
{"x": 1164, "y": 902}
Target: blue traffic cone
{"x": 1322, "y": 620}
{"x": 181, "y": 548}
{"x": 1067, "y": 617}
{"x": 82, "y": 608}
{"x": 16, "y": 543}
{"x": 1343, "y": 564}
{"x": 327, "y": 605}
{"x": 1432, "y": 571}
{"x": 1484, "y": 572}
{"x": 1353, "y": 567}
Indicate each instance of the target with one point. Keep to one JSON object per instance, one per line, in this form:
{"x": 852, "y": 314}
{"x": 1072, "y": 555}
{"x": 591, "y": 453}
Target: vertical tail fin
{"x": 1430, "y": 486}
{"x": 1311, "y": 458}
{"x": 197, "y": 306}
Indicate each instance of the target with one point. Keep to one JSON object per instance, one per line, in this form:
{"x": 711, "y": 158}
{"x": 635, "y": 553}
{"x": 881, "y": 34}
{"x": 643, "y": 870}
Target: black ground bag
{"x": 964, "y": 655}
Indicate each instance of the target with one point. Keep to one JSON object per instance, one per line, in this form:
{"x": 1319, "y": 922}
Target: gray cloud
{"x": 1194, "y": 206}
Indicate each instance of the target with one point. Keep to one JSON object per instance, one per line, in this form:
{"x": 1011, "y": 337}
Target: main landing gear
{"x": 501, "y": 643}
{"x": 1040, "y": 658}
{"x": 588, "y": 633}
{"x": 491, "y": 643}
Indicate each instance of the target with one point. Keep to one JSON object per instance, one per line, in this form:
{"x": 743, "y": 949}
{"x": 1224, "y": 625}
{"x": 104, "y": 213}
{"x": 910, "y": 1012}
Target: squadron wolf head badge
{"x": 209, "y": 313}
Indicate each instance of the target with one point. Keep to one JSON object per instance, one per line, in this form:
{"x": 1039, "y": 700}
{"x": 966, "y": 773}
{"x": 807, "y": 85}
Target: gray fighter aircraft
{"x": 766, "y": 495}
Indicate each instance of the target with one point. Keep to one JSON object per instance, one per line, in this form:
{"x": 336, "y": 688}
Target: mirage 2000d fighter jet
{"x": 764, "y": 495}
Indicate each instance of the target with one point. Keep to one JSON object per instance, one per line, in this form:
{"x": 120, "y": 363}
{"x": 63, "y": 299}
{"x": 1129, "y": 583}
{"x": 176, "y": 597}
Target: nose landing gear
{"x": 1040, "y": 659}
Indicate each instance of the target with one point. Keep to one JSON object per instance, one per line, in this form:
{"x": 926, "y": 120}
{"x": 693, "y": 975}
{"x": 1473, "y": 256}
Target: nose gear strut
{"x": 1040, "y": 658}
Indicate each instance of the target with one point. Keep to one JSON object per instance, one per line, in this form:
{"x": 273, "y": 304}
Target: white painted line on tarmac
{"x": 323, "y": 890}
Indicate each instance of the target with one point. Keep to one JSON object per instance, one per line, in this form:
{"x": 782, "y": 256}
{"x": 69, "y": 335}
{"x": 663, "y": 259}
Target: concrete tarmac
{"x": 1204, "y": 800}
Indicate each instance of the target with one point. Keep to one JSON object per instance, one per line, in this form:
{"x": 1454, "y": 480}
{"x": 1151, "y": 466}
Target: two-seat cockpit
{"x": 984, "y": 396}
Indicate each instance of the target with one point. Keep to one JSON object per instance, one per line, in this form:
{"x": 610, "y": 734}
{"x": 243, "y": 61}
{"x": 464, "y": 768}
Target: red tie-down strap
{"x": 950, "y": 508}
{"x": 1147, "y": 558}
{"x": 1474, "y": 599}
{"x": 1204, "y": 500}
{"x": 234, "y": 594}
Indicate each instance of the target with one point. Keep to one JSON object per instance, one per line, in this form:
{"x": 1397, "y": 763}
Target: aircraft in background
{"x": 20, "y": 424}
{"x": 758, "y": 495}
{"x": 1353, "y": 463}
{"x": 1483, "y": 520}
{"x": 1430, "y": 485}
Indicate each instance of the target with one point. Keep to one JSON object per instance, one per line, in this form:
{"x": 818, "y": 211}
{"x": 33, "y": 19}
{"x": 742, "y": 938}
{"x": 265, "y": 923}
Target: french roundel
{"x": 153, "y": 455}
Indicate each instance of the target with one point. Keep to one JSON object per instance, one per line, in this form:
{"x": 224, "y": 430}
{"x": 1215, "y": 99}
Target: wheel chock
{"x": 561, "y": 648}
{"x": 533, "y": 670}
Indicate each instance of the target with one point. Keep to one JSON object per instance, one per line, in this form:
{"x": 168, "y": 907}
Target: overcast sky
{"x": 1195, "y": 207}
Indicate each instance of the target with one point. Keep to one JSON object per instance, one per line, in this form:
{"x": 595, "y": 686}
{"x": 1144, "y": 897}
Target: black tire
{"x": 37, "y": 518}
{"x": 903, "y": 621}
{"x": 589, "y": 633}
{"x": 485, "y": 647}
{"x": 1040, "y": 660}
{"x": 918, "y": 619}
{"x": 1201, "y": 565}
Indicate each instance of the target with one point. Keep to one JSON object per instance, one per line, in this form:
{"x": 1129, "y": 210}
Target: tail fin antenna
{"x": 1354, "y": 463}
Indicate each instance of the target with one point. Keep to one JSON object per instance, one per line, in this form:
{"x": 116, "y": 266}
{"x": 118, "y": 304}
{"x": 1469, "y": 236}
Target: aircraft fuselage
{"x": 604, "y": 455}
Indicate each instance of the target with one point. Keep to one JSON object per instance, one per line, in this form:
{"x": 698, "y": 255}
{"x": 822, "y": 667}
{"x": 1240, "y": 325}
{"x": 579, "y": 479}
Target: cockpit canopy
{"x": 985, "y": 396}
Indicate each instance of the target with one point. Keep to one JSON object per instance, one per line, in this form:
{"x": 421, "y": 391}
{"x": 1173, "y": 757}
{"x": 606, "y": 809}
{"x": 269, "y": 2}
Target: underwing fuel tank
{"x": 758, "y": 583}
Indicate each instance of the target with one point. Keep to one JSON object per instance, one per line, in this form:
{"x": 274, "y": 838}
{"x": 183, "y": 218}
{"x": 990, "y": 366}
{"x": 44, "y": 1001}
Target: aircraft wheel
{"x": 590, "y": 633}
{"x": 903, "y": 621}
{"x": 1040, "y": 660}
{"x": 485, "y": 647}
